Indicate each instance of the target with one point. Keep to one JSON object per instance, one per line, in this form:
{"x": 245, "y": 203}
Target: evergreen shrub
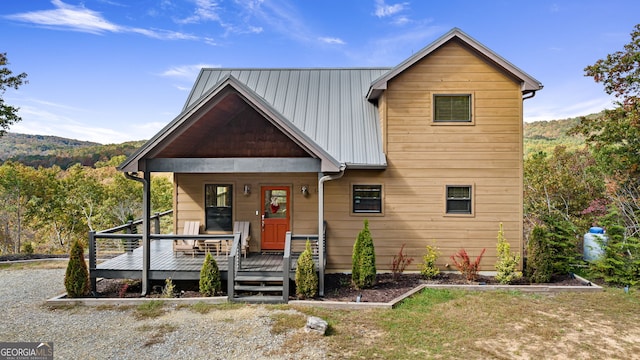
{"x": 507, "y": 262}
{"x": 539, "y": 265}
{"x": 429, "y": 268}
{"x": 620, "y": 263}
{"x": 210, "y": 283}
{"x": 306, "y": 276}
{"x": 364, "y": 259}
{"x": 76, "y": 278}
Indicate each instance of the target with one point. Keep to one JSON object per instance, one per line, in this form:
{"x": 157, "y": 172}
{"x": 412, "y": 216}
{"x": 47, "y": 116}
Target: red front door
{"x": 275, "y": 216}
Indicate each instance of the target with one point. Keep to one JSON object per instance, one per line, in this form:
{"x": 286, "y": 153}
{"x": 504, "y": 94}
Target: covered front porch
{"x": 236, "y": 157}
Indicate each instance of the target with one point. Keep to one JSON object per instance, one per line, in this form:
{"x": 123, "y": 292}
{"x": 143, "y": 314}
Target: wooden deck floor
{"x": 178, "y": 266}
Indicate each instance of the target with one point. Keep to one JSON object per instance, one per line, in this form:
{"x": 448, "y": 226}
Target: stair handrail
{"x": 233, "y": 265}
{"x": 286, "y": 267}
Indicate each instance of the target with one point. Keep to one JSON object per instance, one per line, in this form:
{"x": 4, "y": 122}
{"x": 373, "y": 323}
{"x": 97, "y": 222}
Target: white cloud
{"x": 186, "y": 71}
{"x": 206, "y": 10}
{"x": 37, "y": 121}
{"x": 544, "y": 111}
{"x": 79, "y": 18}
{"x": 384, "y": 10}
{"x": 332, "y": 40}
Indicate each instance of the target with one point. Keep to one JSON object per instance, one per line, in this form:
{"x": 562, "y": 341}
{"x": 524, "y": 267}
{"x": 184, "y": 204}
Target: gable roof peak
{"x": 528, "y": 83}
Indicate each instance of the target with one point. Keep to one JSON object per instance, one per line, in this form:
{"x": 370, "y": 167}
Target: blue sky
{"x": 117, "y": 70}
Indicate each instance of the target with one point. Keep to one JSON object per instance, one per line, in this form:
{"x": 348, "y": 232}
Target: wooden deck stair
{"x": 259, "y": 287}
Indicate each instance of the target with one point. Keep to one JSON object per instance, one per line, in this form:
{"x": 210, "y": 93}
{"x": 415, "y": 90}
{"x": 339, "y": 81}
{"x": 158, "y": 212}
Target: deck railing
{"x": 234, "y": 264}
{"x": 120, "y": 239}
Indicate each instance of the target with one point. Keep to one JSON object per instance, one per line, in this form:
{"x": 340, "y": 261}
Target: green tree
{"x": 565, "y": 183}
{"x": 615, "y": 136}
{"x": 507, "y": 262}
{"x": 210, "y": 283}
{"x": 85, "y": 193}
{"x": 539, "y": 261}
{"x": 8, "y": 113}
{"x": 364, "y": 259}
{"x": 76, "y": 278}
{"x": 50, "y": 208}
{"x": 620, "y": 263}
{"x": 306, "y": 275}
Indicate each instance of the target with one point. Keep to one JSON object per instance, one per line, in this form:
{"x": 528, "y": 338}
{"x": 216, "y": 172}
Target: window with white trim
{"x": 459, "y": 199}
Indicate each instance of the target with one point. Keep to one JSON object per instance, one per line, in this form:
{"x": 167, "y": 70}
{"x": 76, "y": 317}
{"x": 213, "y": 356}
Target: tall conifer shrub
{"x": 76, "y": 278}
{"x": 306, "y": 276}
{"x": 210, "y": 283}
{"x": 363, "y": 271}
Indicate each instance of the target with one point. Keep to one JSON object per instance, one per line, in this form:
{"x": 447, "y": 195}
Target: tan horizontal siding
{"x": 424, "y": 157}
{"x": 190, "y": 200}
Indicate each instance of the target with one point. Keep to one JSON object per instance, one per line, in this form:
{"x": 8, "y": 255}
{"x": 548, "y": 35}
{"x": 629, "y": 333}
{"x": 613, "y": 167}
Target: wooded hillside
{"x": 47, "y": 151}
{"x": 546, "y": 135}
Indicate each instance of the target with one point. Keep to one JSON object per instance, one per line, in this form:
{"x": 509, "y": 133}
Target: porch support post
{"x": 146, "y": 231}
{"x": 321, "y": 240}
{"x": 146, "y": 225}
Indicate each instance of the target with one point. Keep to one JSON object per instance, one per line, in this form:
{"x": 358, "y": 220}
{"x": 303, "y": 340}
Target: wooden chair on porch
{"x": 242, "y": 227}
{"x": 187, "y": 246}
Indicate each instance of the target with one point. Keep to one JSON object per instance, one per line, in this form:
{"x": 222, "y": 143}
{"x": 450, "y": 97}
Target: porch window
{"x": 218, "y": 200}
{"x": 458, "y": 199}
{"x": 367, "y": 199}
{"x": 452, "y": 108}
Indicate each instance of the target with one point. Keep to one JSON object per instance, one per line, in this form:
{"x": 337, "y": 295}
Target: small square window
{"x": 367, "y": 199}
{"x": 218, "y": 201}
{"x": 458, "y": 199}
{"x": 452, "y": 108}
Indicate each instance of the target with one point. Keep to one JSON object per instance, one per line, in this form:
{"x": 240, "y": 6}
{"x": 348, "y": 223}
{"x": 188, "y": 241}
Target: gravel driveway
{"x": 88, "y": 333}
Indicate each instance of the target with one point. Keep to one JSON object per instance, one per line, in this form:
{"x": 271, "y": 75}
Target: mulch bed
{"x": 338, "y": 287}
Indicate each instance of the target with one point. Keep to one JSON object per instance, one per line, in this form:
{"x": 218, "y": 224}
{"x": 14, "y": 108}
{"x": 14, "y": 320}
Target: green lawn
{"x": 443, "y": 324}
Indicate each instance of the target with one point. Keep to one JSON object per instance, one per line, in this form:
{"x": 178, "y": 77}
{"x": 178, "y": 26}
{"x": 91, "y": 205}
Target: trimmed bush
{"x": 507, "y": 262}
{"x": 210, "y": 283}
{"x": 364, "y": 259}
{"x": 306, "y": 276}
{"x": 76, "y": 278}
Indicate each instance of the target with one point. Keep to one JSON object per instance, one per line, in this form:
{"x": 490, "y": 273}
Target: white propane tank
{"x": 594, "y": 241}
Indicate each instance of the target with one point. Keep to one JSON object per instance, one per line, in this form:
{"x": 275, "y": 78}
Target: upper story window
{"x": 367, "y": 199}
{"x": 218, "y": 201}
{"x": 459, "y": 199}
{"x": 452, "y": 108}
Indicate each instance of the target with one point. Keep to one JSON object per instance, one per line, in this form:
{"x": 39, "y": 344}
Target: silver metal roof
{"x": 328, "y": 105}
{"x": 333, "y": 112}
